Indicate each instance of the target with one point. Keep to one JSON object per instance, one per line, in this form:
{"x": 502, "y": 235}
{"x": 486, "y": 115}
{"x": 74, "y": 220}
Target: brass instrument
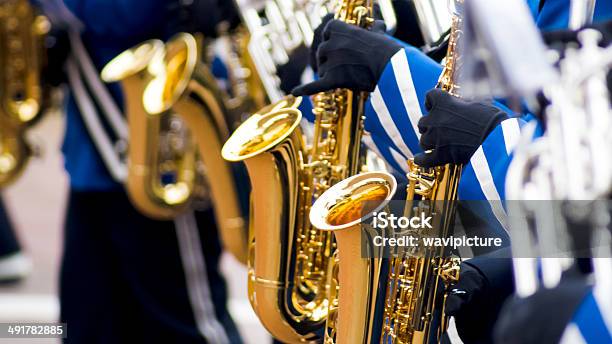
{"x": 184, "y": 85}
{"x": 134, "y": 68}
{"x": 354, "y": 285}
{"x": 416, "y": 283}
{"x": 23, "y": 95}
{"x": 289, "y": 260}
{"x": 14, "y": 153}
{"x": 247, "y": 93}
{"x": 275, "y": 29}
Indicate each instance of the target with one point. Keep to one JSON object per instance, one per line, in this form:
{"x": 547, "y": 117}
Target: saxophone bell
{"x": 342, "y": 209}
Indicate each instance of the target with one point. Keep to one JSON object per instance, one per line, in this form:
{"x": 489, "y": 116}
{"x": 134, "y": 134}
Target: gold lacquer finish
{"x": 185, "y": 86}
{"x": 354, "y": 282}
{"x": 289, "y": 260}
{"x": 14, "y": 153}
{"x": 23, "y": 95}
{"x": 417, "y": 284}
{"x": 135, "y": 68}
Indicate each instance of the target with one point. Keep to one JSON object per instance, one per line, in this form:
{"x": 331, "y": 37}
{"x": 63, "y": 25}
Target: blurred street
{"x": 36, "y": 204}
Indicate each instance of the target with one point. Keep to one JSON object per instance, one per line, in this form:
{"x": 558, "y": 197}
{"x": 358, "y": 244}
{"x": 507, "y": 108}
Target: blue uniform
{"x": 104, "y": 39}
{"x": 396, "y": 105}
{"x": 591, "y": 322}
{"x": 125, "y": 277}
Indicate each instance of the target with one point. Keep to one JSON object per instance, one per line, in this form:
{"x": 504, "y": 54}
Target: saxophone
{"x": 289, "y": 260}
{"x": 23, "y": 94}
{"x": 177, "y": 121}
{"x": 411, "y": 290}
{"x": 134, "y": 68}
{"x": 185, "y": 86}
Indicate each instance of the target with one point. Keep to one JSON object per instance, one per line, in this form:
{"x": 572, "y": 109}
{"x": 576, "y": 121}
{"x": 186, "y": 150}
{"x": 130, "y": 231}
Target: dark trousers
{"x": 128, "y": 279}
{"x": 8, "y": 241}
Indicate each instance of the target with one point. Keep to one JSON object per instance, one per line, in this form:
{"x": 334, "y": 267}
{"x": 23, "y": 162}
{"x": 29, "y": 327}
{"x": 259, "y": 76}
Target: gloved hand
{"x": 291, "y": 72}
{"x": 454, "y": 128}
{"x": 317, "y": 38}
{"x": 485, "y": 282}
{"x": 350, "y": 57}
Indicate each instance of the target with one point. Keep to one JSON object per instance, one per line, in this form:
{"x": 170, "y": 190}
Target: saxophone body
{"x": 145, "y": 184}
{"x": 23, "y": 93}
{"x": 185, "y": 87}
{"x": 177, "y": 120}
{"x": 289, "y": 260}
{"x": 417, "y": 284}
{"x": 354, "y": 292}
{"x": 398, "y": 299}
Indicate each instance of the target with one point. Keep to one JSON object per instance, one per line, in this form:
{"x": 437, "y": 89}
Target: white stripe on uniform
{"x": 512, "y": 134}
{"x": 403, "y": 77}
{"x": 384, "y": 116}
{"x": 196, "y": 278}
{"x": 485, "y": 179}
{"x": 572, "y": 335}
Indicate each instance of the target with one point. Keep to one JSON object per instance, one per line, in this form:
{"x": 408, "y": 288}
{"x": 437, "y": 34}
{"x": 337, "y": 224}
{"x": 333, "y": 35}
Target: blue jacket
{"x": 110, "y": 28}
{"x": 397, "y": 103}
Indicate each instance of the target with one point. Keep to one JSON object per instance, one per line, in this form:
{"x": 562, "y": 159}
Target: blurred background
{"x": 36, "y": 203}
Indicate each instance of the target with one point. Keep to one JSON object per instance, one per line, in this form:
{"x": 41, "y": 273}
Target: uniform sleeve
{"x": 592, "y": 322}
{"x": 484, "y": 176}
{"x": 115, "y": 18}
{"x": 394, "y": 108}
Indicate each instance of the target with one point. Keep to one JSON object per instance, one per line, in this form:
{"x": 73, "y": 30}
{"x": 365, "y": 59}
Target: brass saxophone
{"x": 411, "y": 295}
{"x": 134, "y": 68}
{"x": 289, "y": 260}
{"x": 185, "y": 86}
{"x": 177, "y": 121}
{"x": 23, "y": 94}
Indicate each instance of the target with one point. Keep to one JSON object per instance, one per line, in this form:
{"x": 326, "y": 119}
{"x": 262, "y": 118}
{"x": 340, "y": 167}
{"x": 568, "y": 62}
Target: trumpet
{"x": 23, "y": 94}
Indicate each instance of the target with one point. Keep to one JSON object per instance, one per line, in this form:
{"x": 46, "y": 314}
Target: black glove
{"x": 58, "y": 49}
{"x": 291, "y": 72}
{"x": 317, "y": 38}
{"x": 350, "y": 57}
{"x": 378, "y": 26}
{"x": 542, "y": 317}
{"x": 485, "y": 282}
{"x": 454, "y": 128}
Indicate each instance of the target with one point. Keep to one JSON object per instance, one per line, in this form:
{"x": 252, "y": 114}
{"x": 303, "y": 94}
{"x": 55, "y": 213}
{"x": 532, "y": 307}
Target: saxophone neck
{"x": 447, "y": 80}
{"x": 356, "y": 12}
